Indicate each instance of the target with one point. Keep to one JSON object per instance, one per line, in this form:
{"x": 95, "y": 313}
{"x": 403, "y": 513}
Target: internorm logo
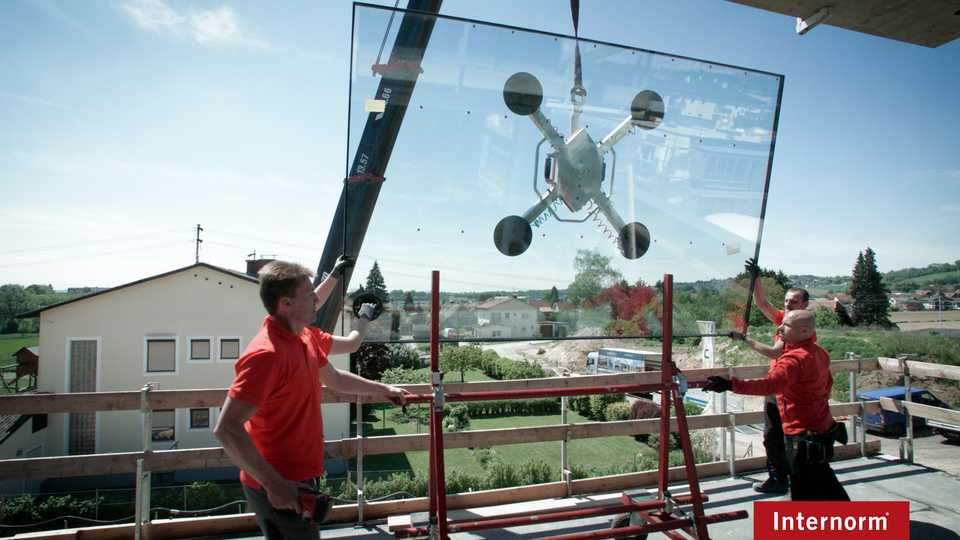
{"x": 798, "y": 522}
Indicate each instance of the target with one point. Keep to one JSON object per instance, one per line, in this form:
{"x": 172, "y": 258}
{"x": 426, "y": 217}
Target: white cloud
{"x": 153, "y": 15}
{"x": 218, "y": 26}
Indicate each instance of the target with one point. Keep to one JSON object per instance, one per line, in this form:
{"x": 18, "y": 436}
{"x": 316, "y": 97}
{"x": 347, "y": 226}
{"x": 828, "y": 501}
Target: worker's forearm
{"x": 766, "y": 350}
{"x": 244, "y": 454}
{"x": 349, "y": 383}
{"x": 323, "y": 290}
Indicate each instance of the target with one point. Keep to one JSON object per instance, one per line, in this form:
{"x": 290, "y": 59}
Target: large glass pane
{"x": 511, "y": 180}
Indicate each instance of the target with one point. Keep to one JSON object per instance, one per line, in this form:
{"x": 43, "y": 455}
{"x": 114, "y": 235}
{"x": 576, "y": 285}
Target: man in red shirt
{"x": 801, "y": 379}
{"x": 270, "y": 424}
{"x": 773, "y": 440}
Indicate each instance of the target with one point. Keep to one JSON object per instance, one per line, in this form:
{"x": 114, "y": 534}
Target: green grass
{"x": 585, "y": 452}
{"x": 11, "y": 343}
{"x": 863, "y": 343}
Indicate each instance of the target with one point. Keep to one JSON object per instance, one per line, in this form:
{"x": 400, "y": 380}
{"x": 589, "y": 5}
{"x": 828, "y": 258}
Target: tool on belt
{"x": 815, "y": 448}
{"x": 314, "y": 504}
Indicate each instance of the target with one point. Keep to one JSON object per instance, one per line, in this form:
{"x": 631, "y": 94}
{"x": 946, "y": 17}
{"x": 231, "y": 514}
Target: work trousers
{"x": 773, "y": 441}
{"x": 811, "y": 478}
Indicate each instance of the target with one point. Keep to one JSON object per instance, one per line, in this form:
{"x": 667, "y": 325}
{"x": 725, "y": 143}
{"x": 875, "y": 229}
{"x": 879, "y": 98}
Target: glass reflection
{"x": 555, "y": 213}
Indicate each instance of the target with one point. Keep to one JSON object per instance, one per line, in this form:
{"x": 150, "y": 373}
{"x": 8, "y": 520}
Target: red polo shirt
{"x": 802, "y": 380}
{"x": 279, "y": 374}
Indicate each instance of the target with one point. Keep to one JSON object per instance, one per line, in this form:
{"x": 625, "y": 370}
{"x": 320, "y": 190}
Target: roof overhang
{"x": 930, "y": 23}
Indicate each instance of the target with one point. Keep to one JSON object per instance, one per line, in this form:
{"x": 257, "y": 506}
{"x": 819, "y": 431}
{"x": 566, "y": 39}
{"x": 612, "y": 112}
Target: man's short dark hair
{"x": 804, "y": 295}
{"x": 279, "y": 279}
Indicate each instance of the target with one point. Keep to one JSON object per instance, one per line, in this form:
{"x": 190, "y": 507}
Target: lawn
{"x": 9, "y": 344}
{"x": 599, "y": 452}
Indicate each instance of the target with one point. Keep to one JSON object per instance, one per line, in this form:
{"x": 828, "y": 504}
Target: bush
{"x": 826, "y": 318}
{"x": 456, "y": 418}
{"x": 18, "y": 510}
{"x": 536, "y": 472}
{"x": 501, "y": 475}
{"x": 203, "y": 495}
{"x": 397, "y": 483}
{"x": 66, "y": 505}
{"x": 617, "y": 411}
{"x": 598, "y": 405}
{"x": 513, "y": 407}
{"x": 503, "y": 369}
{"x": 403, "y": 357}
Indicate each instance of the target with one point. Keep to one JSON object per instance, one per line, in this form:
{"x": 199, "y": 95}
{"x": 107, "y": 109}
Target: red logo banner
{"x": 834, "y": 520}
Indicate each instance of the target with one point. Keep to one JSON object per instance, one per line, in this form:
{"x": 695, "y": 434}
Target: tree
{"x": 871, "y": 305}
{"x": 370, "y": 360}
{"x": 461, "y": 359}
{"x": 553, "y": 297}
{"x": 375, "y": 283}
{"x": 14, "y": 300}
{"x": 593, "y": 274}
{"x": 630, "y": 307}
{"x": 409, "y": 305}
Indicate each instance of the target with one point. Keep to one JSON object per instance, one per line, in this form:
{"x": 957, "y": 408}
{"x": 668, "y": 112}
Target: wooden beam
{"x": 183, "y": 399}
{"x": 919, "y": 409}
{"x": 921, "y": 369}
{"x": 202, "y": 458}
{"x": 240, "y": 523}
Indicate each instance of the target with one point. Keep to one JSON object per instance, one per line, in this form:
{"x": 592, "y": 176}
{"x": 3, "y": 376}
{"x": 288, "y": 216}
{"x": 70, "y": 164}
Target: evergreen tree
{"x": 375, "y": 283}
{"x": 554, "y": 296}
{"x": 871, "y": 304}
{"x": 408, "y": 304}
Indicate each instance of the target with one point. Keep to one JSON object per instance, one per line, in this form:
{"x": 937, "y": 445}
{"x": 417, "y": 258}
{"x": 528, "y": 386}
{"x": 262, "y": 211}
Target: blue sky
{"x": 123, "y": 124}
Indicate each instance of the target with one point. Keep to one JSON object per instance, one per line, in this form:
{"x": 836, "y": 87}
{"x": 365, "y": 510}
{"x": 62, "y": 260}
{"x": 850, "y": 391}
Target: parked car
{"x": 895, "y": 423}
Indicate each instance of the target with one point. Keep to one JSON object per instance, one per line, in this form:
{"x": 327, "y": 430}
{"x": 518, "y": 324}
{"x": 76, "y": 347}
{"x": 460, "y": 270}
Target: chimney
{"x": 254, "y": 266}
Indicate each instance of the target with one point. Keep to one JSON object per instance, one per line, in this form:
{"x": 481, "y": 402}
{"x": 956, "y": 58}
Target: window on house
{"x": 161, "y": 355}
{"x": 200, "y": 418}
{"x": 200, "y": 349}
{"x": 164, "y": 426}
{"x": 229, "y": 349}
{"x": 39, "y": 421}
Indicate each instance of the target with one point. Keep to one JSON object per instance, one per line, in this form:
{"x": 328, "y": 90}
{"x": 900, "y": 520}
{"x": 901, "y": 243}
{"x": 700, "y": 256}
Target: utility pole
{"x": 197, "y": 254}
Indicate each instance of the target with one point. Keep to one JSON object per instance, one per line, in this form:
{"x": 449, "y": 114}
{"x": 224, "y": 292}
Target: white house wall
{"x": 196, "y": 302}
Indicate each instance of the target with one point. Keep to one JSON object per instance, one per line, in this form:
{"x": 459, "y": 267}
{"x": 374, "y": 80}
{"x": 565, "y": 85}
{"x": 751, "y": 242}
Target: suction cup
{"x": 647, "y": 109}
{"x": 523, "y": 93}
{"x": 368, "y": 298}
{"x": 512, "y": 236}
{"x": 634, "y": 240}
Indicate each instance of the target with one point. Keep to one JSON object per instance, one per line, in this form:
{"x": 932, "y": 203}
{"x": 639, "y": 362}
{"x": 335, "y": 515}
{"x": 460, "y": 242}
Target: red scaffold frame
{"x": 658, "y": 515}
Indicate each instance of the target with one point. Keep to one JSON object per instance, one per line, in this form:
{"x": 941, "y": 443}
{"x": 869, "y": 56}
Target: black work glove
{"x": 751, "y": 267}
{"x": 739, "y": 336}
{"x": 343, "y": 262}
{"x": 718, "y": 384}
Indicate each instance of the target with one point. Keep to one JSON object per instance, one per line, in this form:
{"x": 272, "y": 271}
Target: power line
{"x": 85, "y": 244}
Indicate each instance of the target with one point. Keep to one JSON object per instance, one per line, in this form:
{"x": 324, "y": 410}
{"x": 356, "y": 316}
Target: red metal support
{"x": 691, "y": 467}
{"x": 438, "y": 471}
{"x": 666, "y": 381}
{"x": 660, "y": 514}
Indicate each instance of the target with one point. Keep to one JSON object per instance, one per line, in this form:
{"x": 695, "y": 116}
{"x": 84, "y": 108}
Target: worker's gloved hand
{"x": 751, "y": 267}
{"x": 343, "y": 262}
{"x": 398, "y": 396}
{"x": 366, "y": 311}
{"x": 718, "y": 384}
{"x": 739, "y": 336}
